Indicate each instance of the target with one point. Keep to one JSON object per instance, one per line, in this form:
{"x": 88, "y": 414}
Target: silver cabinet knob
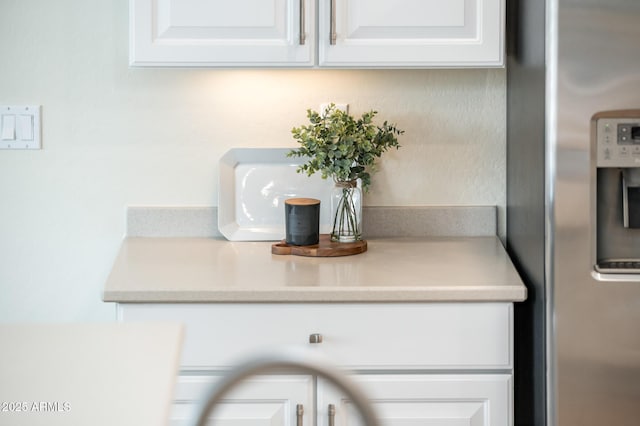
{"x": 315, "y": 338}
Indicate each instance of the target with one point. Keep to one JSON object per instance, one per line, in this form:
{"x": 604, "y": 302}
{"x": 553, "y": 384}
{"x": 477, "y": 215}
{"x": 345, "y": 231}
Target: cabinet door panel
{"x": 412, "y": 33}
{"x": 404, "y": 400}
{"x": 258, "y": 401}
{"x": 220, "y": 33}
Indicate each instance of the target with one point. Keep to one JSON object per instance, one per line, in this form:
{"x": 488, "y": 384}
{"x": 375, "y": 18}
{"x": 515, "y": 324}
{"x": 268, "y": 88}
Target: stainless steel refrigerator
{"x": 573, "y": 209}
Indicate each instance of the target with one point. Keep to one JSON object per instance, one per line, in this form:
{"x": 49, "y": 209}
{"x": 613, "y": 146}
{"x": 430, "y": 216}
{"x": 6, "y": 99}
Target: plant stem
{"x": 345, "y": 222}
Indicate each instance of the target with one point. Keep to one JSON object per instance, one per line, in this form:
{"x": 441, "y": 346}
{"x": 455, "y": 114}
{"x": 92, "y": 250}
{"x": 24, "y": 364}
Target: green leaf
{"x": 341, "y": 146}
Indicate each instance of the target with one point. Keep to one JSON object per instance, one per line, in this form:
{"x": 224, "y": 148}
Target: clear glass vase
{"x": 346, "y": 210}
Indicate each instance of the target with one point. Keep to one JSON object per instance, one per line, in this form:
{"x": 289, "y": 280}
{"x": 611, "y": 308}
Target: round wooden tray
{"x": 324, "y": 248}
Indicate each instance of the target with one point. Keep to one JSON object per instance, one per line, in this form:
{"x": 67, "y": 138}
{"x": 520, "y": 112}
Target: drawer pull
{"x": 315, "y": 338}
{"x": 332, "y": 24}
{"x": 299, "y": 413}
{"x": 332, "y": 414}
{"x": 302, "y": 23}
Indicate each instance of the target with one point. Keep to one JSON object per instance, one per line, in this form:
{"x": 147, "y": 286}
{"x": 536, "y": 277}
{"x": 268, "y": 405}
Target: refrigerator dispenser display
{"x": 616, "y": 192}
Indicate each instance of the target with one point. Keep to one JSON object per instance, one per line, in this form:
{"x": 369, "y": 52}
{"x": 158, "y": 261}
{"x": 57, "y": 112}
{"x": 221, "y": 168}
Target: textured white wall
{"x": 115, "y": 136}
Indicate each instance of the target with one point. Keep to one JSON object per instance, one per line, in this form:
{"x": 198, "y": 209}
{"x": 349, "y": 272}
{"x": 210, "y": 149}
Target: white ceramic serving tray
{"x": 253, "y": 185}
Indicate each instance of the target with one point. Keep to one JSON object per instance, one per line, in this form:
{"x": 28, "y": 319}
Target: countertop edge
{"x": 514, "y": 293}
{"x": 134, "y": 278}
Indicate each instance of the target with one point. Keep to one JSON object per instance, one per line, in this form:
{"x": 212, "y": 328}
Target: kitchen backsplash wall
{"x": 114, "y": 136}
{"x": 377, "y": 221}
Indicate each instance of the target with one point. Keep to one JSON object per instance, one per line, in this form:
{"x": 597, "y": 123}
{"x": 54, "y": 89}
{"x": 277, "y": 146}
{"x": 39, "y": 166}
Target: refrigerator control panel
{"x": 618, "y": 142}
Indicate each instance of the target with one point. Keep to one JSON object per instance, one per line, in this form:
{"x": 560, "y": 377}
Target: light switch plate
{"x": 20, "y": 127}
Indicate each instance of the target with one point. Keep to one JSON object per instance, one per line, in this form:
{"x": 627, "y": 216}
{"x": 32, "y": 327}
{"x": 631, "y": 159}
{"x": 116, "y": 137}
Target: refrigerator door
{"x": 593, "y": 344}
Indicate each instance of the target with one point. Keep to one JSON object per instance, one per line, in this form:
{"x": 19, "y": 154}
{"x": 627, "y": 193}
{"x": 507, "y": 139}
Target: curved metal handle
{"x": 332, "y": 414}
{"x": 299, "y": 414}
{"x": 303, "y": 30}
{"x": 315, "y": 338}
{"x": 332, "y": 26}
{"x": 294, "y": 358}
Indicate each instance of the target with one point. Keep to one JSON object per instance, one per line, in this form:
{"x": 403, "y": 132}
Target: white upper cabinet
{"x": 261, "y": 33}
{"x": 340, "y": 33}
{"x": 411, "y": 33}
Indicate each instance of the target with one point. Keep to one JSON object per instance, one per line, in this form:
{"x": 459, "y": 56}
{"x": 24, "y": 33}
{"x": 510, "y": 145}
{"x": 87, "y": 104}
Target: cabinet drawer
{"x": 358, "y": 336}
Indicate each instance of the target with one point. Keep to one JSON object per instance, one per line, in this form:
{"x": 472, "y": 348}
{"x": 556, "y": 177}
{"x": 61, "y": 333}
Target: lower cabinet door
{"x": 425, "y": 400}
{"x": 257, "y": 401}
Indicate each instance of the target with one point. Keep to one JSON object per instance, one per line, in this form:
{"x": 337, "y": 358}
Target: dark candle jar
{"x": 302, "y": 221}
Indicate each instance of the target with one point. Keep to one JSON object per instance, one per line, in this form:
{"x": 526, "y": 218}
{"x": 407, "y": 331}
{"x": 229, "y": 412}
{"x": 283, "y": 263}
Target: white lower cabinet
{"x": 257, "y": 401}
{"x": 419, "y": 363}
{"x": 423, "y": 399}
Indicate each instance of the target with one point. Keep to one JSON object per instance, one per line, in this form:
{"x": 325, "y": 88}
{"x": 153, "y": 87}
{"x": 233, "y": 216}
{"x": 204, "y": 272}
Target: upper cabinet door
{"x": 411, "y": 33}
{"x": 222, "y": 33}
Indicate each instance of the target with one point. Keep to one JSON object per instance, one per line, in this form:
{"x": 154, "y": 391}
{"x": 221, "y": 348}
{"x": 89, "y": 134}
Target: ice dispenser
{"x": 631, "y": 197}
{"x": 615, "y": 186}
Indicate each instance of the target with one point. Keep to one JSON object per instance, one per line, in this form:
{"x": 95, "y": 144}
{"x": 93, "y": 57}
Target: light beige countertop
{"x": 392, "y": 270}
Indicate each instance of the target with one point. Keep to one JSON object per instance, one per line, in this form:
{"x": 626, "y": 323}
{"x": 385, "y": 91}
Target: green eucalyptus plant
{"x": 341, "y": 146}
{"x": 345, "y": 148}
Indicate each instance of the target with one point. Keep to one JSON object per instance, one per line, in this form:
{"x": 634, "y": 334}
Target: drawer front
{"x": 359, "y": 336}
